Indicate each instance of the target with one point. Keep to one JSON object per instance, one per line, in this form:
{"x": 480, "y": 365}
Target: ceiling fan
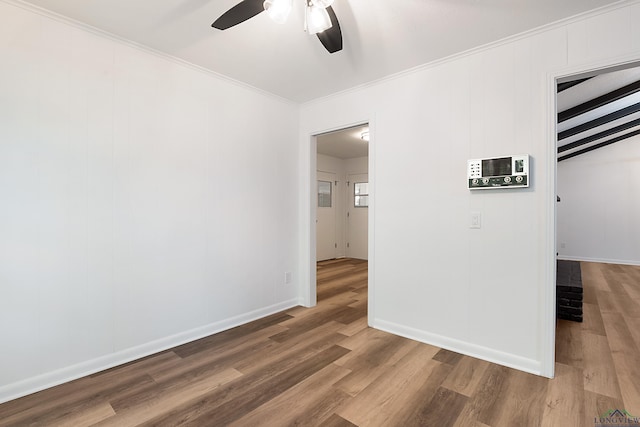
{"x": 320, "y": 19}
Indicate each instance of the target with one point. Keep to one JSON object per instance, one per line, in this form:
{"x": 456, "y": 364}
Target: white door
{"x": 326, "y": 216}
{"x": 357, "y": 216}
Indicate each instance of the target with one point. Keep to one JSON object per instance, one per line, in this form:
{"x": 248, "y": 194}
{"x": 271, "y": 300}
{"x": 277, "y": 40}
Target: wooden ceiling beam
{"x": 572, "y": 83}
{"x": 605, "y": 99}
{"x": 599, "y": 121}
{"x": 599, "y": 135}
{"x": 600, "y": 145}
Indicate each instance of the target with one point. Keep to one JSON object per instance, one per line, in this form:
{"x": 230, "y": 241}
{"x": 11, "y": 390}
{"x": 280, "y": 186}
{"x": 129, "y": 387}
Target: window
{"x": 361, "y": 194}
{"x": 324, "y": 194}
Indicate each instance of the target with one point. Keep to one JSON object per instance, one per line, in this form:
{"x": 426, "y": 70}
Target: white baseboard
{"x": 600, "y": 260}
{"x": 70, "y": 373}
{"x": 479, "y": 352}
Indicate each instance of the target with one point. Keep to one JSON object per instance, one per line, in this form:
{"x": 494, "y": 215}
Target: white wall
{"x": 486, "y": 292}
{"x": 138, "y": 209}
{"x": 600, "y": 207}
{"x": 358, "y": 165}
{"x": 330, "y": 164}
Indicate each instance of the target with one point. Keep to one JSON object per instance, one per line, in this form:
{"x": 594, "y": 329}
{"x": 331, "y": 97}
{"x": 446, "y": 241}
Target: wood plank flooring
{"x": 324, "y": 367}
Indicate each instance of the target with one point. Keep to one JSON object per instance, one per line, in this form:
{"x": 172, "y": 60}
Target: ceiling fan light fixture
{"x": 323, "y": 3}
{"x": 317, "y": 19}
{"x": 278, "y": 10}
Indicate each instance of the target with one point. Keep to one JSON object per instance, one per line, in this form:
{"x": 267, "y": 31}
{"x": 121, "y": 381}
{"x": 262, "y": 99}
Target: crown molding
{"x": 140, "y": 47}
{"x": 479, "y": 49}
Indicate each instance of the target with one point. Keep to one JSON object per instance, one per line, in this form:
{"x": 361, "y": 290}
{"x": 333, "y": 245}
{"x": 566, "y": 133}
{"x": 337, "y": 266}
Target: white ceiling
{"x": 381, "y": 37}
{"x": 344, "y": 144}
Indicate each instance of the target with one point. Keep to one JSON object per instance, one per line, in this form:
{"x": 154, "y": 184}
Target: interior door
{"x": 326, "y": 216}
{"x": 358, "y": 216}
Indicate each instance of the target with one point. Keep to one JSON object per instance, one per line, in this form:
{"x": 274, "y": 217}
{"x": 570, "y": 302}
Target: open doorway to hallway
{"x": 342, "y": 194}
{"x": 342, "y": 202}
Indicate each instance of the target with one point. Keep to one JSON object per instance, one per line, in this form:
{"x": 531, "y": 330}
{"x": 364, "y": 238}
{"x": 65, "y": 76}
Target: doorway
{"x": 342, "y": 194}
{"x": 595, "y": 109}
{"x": 598, "y": 116}
{"x": 341, "y": 199}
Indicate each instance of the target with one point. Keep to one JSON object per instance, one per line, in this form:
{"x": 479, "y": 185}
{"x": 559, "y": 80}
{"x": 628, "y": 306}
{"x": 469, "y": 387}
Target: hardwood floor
{"x": 324, "y": 366}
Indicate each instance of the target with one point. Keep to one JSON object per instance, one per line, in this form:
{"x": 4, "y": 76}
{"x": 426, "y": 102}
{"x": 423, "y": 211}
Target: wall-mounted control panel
{"x": 498, "y": 172}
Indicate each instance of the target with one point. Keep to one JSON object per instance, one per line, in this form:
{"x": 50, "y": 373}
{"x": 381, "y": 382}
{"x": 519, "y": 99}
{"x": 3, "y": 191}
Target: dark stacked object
{"x": 568, "y": 291}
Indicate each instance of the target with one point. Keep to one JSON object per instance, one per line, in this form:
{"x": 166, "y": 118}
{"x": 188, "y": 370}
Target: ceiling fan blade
{"x": 331, "y": 39}
{"x": 239, "y": 13}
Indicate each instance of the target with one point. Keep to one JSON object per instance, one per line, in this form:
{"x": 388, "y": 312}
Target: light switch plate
{"x": 476, "y": 220}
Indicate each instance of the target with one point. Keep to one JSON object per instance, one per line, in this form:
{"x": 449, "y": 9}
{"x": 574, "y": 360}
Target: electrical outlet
{"x": 287, "y": 277}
